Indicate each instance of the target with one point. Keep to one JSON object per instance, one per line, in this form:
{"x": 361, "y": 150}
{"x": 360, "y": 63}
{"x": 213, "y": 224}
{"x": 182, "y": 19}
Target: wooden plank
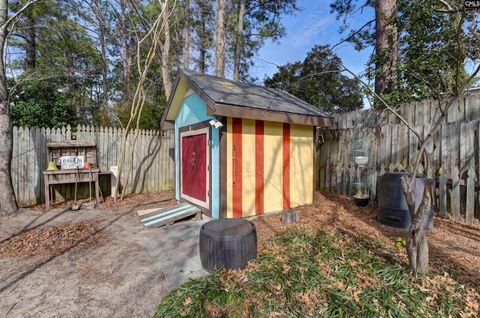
{"x": 23, "y": 165}
{"x": 413, "y": 145}
{"x": 31, "y": 163}
{"x": 419, "y": 113}
{"x": 467, "y": 150}
{"x": 442, "y": 197}
{"x": 153, "y": 211}
{"x": 455, "y": 205}
{"x": 456, "y": 112}
{"x": 42, "y": 159}
{"x": 388, "y": 145}
{"x": 163, "y": 160}
{"x": 346, "y": 180}
{"x": 59, "y": 135}
{"x": 170, "y": 219}
{"x": 338, "y": 179}
{"x": 470, "y": 202}
{"x": 472, "y": 107}
{"x": 328, "y": 171}
{"x": 444, "y": 161}
{"x": 14, "y": 165}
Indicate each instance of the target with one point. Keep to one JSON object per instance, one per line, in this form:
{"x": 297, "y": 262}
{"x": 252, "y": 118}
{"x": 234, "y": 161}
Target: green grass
{"x": 304, "y": 273}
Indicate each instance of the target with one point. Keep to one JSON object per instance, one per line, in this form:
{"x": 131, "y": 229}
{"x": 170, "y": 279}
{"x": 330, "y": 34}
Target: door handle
{"x": 193, "y": 160}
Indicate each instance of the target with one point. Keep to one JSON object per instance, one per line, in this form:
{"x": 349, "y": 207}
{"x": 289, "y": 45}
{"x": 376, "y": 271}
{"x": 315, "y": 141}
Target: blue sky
{"x": 313, "y": 25}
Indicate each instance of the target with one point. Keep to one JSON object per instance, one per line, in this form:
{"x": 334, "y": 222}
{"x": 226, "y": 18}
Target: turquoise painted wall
{"x": 194, "y": 110}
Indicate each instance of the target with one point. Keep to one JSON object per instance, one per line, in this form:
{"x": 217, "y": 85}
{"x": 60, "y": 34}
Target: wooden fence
{"x": 153, "y": 161}
{"x": 392, "y": 147}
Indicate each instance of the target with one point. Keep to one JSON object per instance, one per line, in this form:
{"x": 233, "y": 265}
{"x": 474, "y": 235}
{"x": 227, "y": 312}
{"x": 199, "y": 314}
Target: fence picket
{"x": 455, "y": 148}
{"x": 470, "y": 204}
{"x": 442, "y": 197}
{"x": 29, "y": 159}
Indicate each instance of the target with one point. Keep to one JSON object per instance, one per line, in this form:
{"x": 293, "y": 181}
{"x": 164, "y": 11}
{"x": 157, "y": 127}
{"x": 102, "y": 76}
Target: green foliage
{"x": 40, "y": 104}
{"x": 91, "y": 45}
{"x": 262, "y": 22}
{"x": 151, "y": 113}
{"x": 67, "y": 58}
{"x": 430, "y": 65}
{"x": 203, "y": 21}
{"x": 401, "y": 242}
{"x": 314, "y": 274}
{"x": 318, "y": 81}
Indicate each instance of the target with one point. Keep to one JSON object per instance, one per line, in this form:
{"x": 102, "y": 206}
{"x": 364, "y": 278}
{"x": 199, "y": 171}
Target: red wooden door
{"x": 194, "y": 166}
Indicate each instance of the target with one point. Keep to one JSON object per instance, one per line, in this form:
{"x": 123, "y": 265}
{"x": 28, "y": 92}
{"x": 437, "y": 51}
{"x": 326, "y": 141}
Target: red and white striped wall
{"x": 269, "y": 167}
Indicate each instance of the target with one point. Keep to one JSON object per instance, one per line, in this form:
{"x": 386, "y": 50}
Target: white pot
{"x": 361, "y": 160}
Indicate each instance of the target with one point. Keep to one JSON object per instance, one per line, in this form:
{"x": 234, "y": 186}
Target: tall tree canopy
{"x": 86, "y": 52}
{"x": 318, "y": 80}
{"x": 419, "y": 37}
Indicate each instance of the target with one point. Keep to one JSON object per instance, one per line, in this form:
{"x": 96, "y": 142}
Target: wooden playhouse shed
{"x": 240, "y": 149}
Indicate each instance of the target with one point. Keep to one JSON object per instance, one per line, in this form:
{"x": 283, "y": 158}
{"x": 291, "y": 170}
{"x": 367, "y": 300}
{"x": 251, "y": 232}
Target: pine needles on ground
{"x": 304, "y": 273}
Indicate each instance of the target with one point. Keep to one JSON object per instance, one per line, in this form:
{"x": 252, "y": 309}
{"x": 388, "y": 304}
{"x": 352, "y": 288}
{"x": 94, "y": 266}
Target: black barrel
{"x": 393, "y": 209}
{"x": 227, "y": 243}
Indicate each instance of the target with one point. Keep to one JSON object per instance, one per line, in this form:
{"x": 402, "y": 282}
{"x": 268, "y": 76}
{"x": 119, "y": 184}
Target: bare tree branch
{"x": 14, "y": 16}
{"x": 384, "y": 103}
{"x": 348, "y": 38}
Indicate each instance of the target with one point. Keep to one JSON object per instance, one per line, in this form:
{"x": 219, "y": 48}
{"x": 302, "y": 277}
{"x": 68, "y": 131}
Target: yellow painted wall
{"x": 301, "y": 165}
{"x": 273, "y": 166}
{"x": 229, "y": 184}
{"x": 248, "y": 167}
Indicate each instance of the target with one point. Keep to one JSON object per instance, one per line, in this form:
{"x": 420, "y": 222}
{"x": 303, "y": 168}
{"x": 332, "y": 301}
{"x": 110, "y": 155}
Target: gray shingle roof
{"x": 228, "y": 92}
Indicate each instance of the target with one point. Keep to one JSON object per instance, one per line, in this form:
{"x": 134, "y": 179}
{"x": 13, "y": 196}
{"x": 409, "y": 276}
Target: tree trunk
{"x": 239, "y": 42}
{"x": 125, "y": 49}
{"x": 186, "y": 36}
{"x": 386, "y": 45}
{"x": 220, "y": 39}
{"x": 102, "y": 30}
{"x": 167, "y": 84}
{"x": 8, "y": 203}
{"x": 417, "y": 245}
{"x": 31, "y": 35}
{"x": 202, "y": 63}
{"x": 417, "y": 250}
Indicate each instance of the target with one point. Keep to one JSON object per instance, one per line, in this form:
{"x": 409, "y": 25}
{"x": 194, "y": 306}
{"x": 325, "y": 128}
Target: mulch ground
{"x": 52, "y": 240}
{"x": 128, "y": 201}
{"x": 454, "y": 248}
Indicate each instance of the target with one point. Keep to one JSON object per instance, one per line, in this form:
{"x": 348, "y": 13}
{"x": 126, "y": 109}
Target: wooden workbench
{"x": 66, "y": 176}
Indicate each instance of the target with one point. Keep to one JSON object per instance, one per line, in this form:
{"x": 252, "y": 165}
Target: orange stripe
{"x": 286, "y": 166}
{"x": 237, "y": 167}
{"x": 259, "y": 170}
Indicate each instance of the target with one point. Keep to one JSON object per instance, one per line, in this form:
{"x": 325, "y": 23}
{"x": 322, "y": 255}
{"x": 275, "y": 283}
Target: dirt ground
{"x": 87, "y": 263}
{"x": 94, "y": 263}
{"x": 454, "y": 248}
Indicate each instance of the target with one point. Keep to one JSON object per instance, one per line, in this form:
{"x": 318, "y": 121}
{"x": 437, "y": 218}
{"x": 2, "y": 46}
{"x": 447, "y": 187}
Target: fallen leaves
{"x": 51, "y": 240}
{"x": 454, "y": 247}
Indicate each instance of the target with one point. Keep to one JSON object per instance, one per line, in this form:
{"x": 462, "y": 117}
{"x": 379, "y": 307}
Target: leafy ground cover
{"x": 308, "y": 272}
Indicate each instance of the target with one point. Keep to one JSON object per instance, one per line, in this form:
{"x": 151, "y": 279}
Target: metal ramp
{"x": 165, "y": 216}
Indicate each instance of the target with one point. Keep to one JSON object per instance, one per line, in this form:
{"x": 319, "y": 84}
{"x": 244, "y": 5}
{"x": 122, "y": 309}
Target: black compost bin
{"x": 393, "y": 209}
{"x": 227, "y": 243}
